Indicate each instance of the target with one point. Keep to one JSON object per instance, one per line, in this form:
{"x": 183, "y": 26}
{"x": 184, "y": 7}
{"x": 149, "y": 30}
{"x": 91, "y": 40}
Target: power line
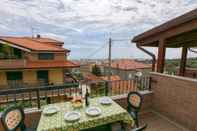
{"x": 121, "y": 39}
{"x": 96, "y": 51}
{"x": 100, "y": 48}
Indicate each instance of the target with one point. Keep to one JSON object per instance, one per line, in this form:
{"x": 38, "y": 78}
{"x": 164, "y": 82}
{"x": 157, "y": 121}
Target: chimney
{"x": 38, "y": 36}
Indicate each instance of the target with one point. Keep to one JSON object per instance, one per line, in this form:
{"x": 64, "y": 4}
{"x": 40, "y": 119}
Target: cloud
{"x": 85, "y": 25}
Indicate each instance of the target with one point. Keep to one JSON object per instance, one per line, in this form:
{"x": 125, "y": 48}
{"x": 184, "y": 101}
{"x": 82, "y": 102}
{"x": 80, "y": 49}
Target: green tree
{"x": 96, "y": 70}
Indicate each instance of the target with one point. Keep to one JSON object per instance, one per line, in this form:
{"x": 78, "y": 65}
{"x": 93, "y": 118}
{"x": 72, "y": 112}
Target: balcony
{"x": 12, "y": 63}
{"x": 168, "y": 106}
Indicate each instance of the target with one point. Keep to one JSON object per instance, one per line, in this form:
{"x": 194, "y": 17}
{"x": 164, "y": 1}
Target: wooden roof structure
{"x": 180, "y": 32}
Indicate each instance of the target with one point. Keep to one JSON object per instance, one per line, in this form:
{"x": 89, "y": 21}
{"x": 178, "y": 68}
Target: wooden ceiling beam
{"x": 186, "y": 27}
{"x": 182, "y": 39}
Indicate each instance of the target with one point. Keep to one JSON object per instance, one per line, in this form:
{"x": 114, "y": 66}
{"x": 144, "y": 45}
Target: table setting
{"x": 78, "y": 115}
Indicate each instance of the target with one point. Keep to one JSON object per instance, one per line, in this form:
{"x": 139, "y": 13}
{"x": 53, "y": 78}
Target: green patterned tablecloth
{"x": 110, "y": 114}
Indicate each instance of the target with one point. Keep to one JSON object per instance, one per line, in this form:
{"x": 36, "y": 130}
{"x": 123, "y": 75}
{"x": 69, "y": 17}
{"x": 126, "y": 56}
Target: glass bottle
{"x": 87, "y": 97}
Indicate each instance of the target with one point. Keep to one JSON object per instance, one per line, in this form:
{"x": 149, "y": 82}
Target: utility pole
{"x": 32, "y": 32}
{"x": 109, "y": 60}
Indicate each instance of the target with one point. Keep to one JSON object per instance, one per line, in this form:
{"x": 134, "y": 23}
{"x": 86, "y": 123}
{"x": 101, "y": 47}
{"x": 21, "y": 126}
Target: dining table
{"x": 111, "y": 113}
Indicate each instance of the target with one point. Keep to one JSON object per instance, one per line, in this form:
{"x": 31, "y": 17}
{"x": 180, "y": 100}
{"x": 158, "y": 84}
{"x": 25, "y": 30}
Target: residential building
{"x": 189, "y": 72}
{"x": 33, "y": 61}
{"x": 126, "y": 68}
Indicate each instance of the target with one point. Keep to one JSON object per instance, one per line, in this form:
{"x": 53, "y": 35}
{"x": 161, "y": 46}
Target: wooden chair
{"x": 142, "y": 128}
{"x": 134, "y": 100}
{"x": 13, "y": 118}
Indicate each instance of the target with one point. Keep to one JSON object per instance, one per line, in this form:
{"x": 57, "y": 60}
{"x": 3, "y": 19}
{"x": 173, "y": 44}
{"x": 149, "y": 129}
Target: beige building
{"x": 26, "y": 61}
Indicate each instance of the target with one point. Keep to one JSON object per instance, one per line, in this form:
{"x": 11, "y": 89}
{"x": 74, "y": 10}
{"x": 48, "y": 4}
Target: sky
{"x": 86, "y": 25}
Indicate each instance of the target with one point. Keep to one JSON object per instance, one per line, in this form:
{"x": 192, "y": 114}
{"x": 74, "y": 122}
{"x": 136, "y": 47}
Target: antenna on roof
{"x": 32, "y": 32}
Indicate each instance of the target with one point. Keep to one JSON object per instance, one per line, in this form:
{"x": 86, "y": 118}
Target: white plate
{"x": 93, "y": 111}
{"x": 50, "y": 110}
{"x": 72, "y": 116}
{"x": 105, "y": 100}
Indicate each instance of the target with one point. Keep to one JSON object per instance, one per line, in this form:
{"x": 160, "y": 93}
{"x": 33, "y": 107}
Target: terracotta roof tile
{"x": 129, "y": 64}
{"x": 35, "y": 44}
{"x": 47, "y": 40}
{"x": 43, "y": 64}
{"x": 91, "y": 77}
{"x": 51, "y": 64}
{"x": 112, "y": 78}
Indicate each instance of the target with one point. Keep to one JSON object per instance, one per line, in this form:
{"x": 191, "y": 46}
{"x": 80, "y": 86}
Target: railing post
{"x": 150, "y": 79}
{"x": 48, "y": 100}
{"x": 106, "y": 88}
{"x": 38, "y": 98}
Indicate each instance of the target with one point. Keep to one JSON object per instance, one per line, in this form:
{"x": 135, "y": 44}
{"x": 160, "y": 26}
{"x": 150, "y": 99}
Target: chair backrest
{"x": 142, "y": 128}
{"x": 13, "y": 118}
{"x": 134, "y": 100}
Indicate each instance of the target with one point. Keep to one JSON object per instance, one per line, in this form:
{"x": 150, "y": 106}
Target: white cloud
{"x": 88, "y": 21}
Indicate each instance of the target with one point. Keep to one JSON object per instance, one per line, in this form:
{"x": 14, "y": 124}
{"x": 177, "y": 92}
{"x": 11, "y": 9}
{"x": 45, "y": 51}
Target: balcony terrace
{"x": 12, "y": 63}
{"x": 169, "y": 102}
{"x": 168, "y": 105}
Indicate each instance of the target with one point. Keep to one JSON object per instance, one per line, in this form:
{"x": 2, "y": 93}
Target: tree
{"x": 96, "y": 70}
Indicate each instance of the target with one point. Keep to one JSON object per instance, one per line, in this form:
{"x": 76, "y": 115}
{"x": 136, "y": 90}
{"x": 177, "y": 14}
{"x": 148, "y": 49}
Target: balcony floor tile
{"x": 157, "y": 122}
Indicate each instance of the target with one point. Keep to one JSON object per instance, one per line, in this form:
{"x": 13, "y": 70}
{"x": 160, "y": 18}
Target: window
{"x": 45, "y": 56}
{"x": 15, "y": 75}
{"x": 42, "y": 76}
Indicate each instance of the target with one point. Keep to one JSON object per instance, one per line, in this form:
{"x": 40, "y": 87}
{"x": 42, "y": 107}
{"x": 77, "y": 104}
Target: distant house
{"x": 126, "y": 68}
{"x": 89, "y": 77}
{"x": 118, "y": 86}
{"x": 189, "y": 72}
{"x": 33, "y": 61}
{"x": 112, "y": 78}
{"x": 87, "y": 67}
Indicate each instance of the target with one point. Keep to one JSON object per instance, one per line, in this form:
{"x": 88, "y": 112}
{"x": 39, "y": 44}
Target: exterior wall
{"x": 31, "y": 56}
{"x": 175, "y": 97}
{"x": 60, "y": 56}
{"x": 86, "y": 68}
{"x": 56, "y": 76}
{"x": 126, "y": 74}
{"x": 29, "y": 76}
{"x": 34, "y": 56}
{"x": 3, "y": 79}
{"x": 9, "y": 63}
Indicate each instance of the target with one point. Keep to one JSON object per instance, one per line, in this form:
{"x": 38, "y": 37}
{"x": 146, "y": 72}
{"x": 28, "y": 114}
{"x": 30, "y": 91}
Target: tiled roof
{"x": 43, "y": 64}
{"x": 91, "y": 77}
{"x": 47, "y": 40}
{"x": 112, "y": 78}
{"x": 129, "y": 64}
{"x": 119, "y": 86}
{"x": 51, "y": 64}
{"x": 35, "y": 44}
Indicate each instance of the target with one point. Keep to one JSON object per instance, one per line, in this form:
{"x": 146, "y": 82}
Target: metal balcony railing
{"x": 29, "y": 96}
{"x": 37, "y": 96}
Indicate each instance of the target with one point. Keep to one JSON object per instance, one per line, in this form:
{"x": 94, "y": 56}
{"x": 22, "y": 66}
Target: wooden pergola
{"x": 180, "y": 32}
